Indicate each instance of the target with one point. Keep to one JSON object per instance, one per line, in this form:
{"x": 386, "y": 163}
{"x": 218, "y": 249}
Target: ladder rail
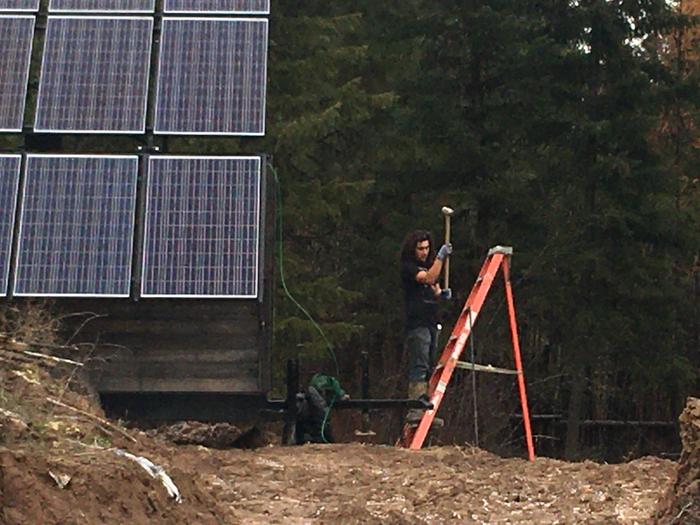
{"x": 518, "y": 360}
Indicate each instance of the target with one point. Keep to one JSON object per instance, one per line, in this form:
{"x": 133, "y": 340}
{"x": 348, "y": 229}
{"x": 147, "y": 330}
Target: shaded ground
{"x": 45, "y": 446}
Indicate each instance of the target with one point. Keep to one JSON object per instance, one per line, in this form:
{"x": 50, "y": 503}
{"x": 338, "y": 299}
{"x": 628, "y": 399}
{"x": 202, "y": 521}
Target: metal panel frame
{"x": 26, "y": 76}
{"x": 147, "y": 85}
{"x": 264, "y": 82}
{"x": 22, "y": 10}
{"x": 111, "y": 11}
{"x": 224, "y": 12}
{"x": 13, "y": 220}
{"x": 131, "y": 242}
{"x": 257, "y": 230}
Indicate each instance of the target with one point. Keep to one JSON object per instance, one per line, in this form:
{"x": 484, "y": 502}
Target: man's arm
{"x": 431, "y": 275}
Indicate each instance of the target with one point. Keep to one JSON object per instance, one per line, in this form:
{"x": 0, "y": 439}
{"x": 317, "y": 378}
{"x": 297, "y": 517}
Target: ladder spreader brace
{"x": 498, "y": 257}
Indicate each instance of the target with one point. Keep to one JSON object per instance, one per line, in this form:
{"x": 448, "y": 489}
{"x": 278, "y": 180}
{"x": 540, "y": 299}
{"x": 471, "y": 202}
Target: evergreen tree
{"x": 321, "y": 120}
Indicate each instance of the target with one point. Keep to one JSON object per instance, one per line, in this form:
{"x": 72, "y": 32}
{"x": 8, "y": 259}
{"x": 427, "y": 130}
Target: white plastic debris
{"x": 61, "y": 480}
{"x": 155, "y": 471}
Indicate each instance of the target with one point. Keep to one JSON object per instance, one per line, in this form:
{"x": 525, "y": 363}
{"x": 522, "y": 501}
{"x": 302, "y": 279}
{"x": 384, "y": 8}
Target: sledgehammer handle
{"x": 447, "y": 259}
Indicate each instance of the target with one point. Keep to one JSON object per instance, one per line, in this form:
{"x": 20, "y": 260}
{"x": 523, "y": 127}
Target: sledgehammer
{"x": 447, "y": 212}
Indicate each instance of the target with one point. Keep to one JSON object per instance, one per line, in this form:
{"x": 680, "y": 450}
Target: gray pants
{"x": 421, "y": 344}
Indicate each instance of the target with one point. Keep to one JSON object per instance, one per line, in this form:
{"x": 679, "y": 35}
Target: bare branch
{"x": 82, "y": 325}
{"x": 93, "y": 417}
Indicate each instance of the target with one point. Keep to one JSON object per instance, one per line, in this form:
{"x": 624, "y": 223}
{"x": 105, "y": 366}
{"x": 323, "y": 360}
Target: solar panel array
{"x": 94, "y": 75}
{"x": 16, "y": 34}
{"x": 212, "y": 76}
{"x": 75, "y": 220}
{"x": 202, "y": 227}
{"x": 76, "y": 226}
{"x": 217, "y": 6}
{"x": 9, "y": 180}
{"x": 19, "y": 5}
{"x": 122, "y": 6}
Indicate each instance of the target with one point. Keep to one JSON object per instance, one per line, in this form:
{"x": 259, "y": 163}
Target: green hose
{"x": 280, "y": 248}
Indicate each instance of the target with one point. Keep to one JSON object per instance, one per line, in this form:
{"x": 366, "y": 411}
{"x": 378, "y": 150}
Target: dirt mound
{"x": 93, "y": 486}
{"x": 61, "y": 461}
{"x": 682, "y": 502}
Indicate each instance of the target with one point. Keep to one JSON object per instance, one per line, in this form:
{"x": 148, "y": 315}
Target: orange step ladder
{"x": 498, "y": 258}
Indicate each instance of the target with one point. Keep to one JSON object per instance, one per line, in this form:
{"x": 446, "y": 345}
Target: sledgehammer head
{"x": 447, "y": 211}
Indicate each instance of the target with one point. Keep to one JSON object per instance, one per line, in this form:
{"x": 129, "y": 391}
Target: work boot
{"x": 418, "y": 390}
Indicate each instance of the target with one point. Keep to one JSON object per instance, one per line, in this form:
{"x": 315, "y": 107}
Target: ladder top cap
{"x": 505, "y": 250}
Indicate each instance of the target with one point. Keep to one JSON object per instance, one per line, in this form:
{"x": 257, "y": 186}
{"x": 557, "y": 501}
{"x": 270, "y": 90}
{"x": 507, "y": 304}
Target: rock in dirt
{"x": 219, "y": 435}
{"x": 12, "y": 426}
{"x": 681, "y": 504}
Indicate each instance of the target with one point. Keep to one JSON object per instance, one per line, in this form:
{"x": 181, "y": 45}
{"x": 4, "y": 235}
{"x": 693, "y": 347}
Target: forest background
{"x": 566, "y": 129}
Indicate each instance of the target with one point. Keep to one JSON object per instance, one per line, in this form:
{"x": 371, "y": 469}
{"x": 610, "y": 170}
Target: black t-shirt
{"x": 421, "y": 305}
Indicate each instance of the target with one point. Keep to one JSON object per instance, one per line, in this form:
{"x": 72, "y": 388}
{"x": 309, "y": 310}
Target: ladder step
{"x": 485, "y": 368}
{"x": 505, "y": 250}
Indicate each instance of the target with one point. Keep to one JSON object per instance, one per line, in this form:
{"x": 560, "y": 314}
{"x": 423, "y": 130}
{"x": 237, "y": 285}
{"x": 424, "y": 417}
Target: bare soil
{"x": 60, "y": 466}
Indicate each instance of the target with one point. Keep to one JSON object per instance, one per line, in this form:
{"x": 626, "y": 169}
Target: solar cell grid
{"x": 212, "y": 76}
{"x": 202, "y": 227}
{"x": 94, "y": 75}
{"x": 9, "y": 180}
{"x": 16, "y": 35}
{"x": 218, "y": 6}
{"x": 122, "y": 6}
{"x": 76, "y": 226}
{"x": 19, "y": 5}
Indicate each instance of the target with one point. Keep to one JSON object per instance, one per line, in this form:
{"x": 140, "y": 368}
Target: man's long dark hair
{"x": 408, "y": 249}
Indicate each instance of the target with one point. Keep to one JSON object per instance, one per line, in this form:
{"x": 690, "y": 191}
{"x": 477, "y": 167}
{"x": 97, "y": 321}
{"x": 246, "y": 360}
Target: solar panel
{"x": 94, "y": 75}
{"x": 202, "y": 227}
{"x": 218, "y": 6}
{"x": 120, "y": 6}
{"x": 9, "y": 179}
{"x": 76, "y": 226}
{"x": 16, "y": 35}
{"x": 19, "y": 5}
{"x": 211, "y": 76}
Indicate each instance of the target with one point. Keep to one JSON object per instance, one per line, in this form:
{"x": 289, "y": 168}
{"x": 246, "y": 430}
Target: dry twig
{"x": 91, "y": 416}
{"x": 92, "y": 317}
{"x": 53, "y": 358}
{"x": 680, "y": 514}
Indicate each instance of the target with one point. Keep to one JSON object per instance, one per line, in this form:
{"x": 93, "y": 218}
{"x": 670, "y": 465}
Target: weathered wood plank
{"x": 159, "y": 309}
{"x": 141, "y": 327}
{"x": 133, "y": 384}
{"x": 166, "y": 355}
{"x": 184, "y": 371}
{"x": 138, "y": 344}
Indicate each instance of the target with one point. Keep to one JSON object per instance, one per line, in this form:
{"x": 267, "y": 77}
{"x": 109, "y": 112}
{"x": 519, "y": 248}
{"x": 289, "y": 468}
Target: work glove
{"x": 446, "y": 294}
{"x": 445, "y": 250}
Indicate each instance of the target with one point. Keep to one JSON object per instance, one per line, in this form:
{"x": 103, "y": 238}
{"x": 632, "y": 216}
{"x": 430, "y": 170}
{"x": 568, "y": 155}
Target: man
{"x": 420, "y": 270}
